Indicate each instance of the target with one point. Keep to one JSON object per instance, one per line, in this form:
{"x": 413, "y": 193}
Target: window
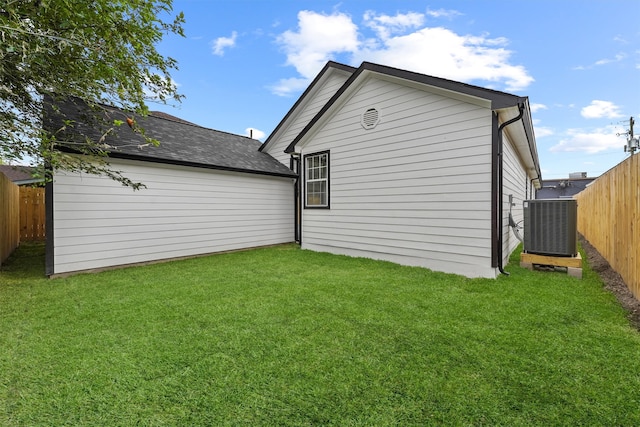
{"x": 316, "y": 167}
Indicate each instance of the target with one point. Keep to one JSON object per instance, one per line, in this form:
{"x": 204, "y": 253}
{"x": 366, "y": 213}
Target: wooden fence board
{"x": 9, "y": 217}
{"x": 32, "y": 214}
{"x": 608, "y": 215}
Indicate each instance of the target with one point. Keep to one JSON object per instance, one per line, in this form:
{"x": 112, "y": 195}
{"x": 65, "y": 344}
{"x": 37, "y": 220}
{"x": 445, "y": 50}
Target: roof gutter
{"x": 500, "y": 160}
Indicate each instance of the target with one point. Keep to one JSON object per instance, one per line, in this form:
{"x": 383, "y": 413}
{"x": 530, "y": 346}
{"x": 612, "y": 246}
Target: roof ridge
{"x": 167, "y": 116}
{"x": 175, "y": 119}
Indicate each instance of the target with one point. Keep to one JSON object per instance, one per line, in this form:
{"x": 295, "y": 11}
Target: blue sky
{"x": 244, "y": 63}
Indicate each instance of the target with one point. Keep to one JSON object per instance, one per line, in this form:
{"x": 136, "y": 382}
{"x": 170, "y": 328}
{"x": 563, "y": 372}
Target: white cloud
{"x": 441, "y": 52}
{"x": 537, "y": 107}
{"x": 400, "y": 41}
{"x": 443, "y": 13}
{"x": 594, "y": 141}
{"x": 617, "y": 58}
{"x": 620, "y": 39}
{"x": 254, "y": 133}
{"x": 286, "y": 87}
{"x": 542, "y": 131}
{"x": 222, "y": 43}
{"x": 601, "y": 109}
{"x": 385, "y": 25}
{"x": 319, "y": 36}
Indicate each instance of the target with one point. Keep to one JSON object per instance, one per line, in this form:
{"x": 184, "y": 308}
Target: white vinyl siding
{"x": 182, "y": 212}
{"x": 515, "y": 181}
{"x": 416, "y": 189}
{"x": 305, "y": 113}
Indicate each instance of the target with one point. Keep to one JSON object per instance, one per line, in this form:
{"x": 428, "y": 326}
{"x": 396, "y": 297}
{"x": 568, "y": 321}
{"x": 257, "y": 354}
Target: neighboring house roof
{"x": 562, "y": 188}
{"x": 506, "y": 104}
{"x": 20, "y": 175}
{"x": 181, "y": 142}
{"x": 330, "y": 67}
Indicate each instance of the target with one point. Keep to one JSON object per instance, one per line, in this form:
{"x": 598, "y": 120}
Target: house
{"x": 371, "y": 161}
{"x": 206, "y": 191}
{"x": 21, "y": 175}
{"x": 409, "y": 168}
{"x": 564, "y": 188}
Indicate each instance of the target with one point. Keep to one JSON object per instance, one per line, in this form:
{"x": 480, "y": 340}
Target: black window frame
{"x": 305, "y": 168}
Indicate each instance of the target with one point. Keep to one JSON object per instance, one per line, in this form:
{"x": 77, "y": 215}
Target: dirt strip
{"x": 612, "y": 282}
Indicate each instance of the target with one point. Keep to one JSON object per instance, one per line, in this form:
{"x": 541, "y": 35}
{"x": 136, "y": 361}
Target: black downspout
{"x": 299, "y": 201}
{"x": 296, "y": 214}
{"x": 494, "y": 189}
{"x": 49, "y": 268}
{"x": 301, "y": 197}
{"x": 500, "y": 184}
{"x": 294, "y": 165}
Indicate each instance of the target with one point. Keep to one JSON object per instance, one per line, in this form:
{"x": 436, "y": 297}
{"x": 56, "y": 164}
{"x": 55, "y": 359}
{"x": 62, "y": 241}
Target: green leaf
{"x": 101, "y": 51}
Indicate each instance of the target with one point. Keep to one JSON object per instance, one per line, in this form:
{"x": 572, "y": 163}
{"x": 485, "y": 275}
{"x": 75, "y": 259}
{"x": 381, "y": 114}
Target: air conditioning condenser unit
{"x": 550, "y": 227}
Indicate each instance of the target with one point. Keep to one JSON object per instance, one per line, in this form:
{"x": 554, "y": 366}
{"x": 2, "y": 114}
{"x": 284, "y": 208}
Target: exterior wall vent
{"x": 370, "y": 118}
{"x": 550, "y": 227}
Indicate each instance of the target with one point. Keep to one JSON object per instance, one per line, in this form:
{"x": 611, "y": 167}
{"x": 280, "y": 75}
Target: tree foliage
{"x": 102, "y": 51}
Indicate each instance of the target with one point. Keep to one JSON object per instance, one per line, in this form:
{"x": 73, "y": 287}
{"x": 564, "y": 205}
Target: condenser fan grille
{"x": 550, "y": 227}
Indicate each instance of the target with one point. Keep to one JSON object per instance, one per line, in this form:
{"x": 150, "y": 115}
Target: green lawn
{"x": 282, "y": 336}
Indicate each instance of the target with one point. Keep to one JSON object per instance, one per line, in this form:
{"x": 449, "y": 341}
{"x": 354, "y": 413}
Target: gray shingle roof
{"x": 19, "y": 174}
{"x": 560, "y": 188}
{"x": 181, "y": 142}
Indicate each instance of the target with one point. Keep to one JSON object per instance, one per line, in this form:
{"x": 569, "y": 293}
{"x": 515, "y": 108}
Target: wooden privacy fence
{"x": 609, "y": 215}
{"x": 22, "y": 215}
{"x": 9, "y": 217}
{"x": 32, "y": 214}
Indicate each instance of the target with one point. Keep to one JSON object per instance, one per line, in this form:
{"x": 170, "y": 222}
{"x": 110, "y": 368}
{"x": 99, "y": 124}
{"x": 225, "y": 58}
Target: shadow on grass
{"x": 26, "y": 262}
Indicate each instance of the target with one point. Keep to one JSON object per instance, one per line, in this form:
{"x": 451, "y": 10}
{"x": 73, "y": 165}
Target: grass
{"x": 282, "y": 336}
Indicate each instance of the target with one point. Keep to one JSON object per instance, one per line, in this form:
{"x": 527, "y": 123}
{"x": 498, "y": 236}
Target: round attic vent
{"x": 370, "y": 118}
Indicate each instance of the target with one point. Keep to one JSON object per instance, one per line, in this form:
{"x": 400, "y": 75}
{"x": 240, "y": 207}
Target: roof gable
{"x": 504, "y": 104}
{"x": 316, "y": 85}
{"x": 181, "y": 142}
{"x": 496, "y": 99}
